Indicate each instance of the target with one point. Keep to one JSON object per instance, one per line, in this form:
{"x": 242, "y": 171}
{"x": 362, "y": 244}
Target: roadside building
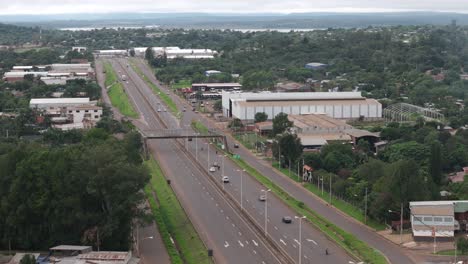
{"x": 441, "y": 219}
{"x": 51, "y": 103}
{"x": 111, "y": 53}
{"x": 216, "y": 87}
{"x": 209, "y": 73}
{"x": 264, "y": 128}
{"x": 80, "y": 49}
{"x": 340, "y": 105}
{"x": 315, "y": 66}
{"x": 291, "y": 87}
{"x": 140, "y": 51}
{"x": 459, "y": 176}
{"x": 70, "y": 254}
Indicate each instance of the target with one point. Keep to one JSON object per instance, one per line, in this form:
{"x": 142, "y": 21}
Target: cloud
{"x": 227, "y": 6}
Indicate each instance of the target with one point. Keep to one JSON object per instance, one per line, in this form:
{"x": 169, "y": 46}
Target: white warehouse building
{"x": 340, "y": 105}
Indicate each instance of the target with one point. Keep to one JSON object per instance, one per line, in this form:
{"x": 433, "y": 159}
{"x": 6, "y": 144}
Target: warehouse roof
{"x": 357, "y": 133}
{"x": 59, "y": 101}
{"x": 22, "y": 74}
{"x": 306, "y": 102}
{"x": 70, "y": 248}
{"x": 214, "y": 85}
{"x": 316, "y": 120}
{"x": 299, "y": 96}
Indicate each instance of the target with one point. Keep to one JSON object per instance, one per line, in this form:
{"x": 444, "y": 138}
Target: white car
{"x": 159, "y": 109}
{"x": 212, "y": 169}
{"x": 225, "y": 179}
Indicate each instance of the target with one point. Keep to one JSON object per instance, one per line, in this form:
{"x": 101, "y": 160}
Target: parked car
{"x": 262, "y": 198}
{"x": 225, "y": 179}
{"x": 212, "y": 169}
{"x": 287, "y": 219}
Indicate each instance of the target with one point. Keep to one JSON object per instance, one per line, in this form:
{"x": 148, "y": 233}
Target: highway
{"x": 393, "y": 252}
{"x": 220, "y": 225}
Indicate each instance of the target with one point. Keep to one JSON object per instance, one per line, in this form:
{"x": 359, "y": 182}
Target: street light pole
{"x": 266, "y": 209}
{"x": 222, "y": 173}
{"x": 196, "y": 146}
{"x": 401, "y": 223}
{"x": 242, "y": 200}
{"x": 330, "y": 189}
{"x": 300, "y": 237}
{"x": 321, "y": 179}
{"x": 365, "y": 208}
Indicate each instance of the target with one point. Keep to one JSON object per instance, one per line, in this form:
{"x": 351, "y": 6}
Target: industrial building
{"x": 440, "y": 219}
{"x": 340, "y": 105}
{"x": 67, "y": 113}
{"x": 57, "y": 73}
{"x": 213, "y": 87}
{"x": 15, "y": 76}
{"x": 111, "y": 53}
{"x": 317, "y": 130}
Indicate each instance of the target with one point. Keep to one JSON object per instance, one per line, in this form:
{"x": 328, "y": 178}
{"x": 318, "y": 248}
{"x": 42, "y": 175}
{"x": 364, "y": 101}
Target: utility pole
{"x": 401, "y": 223}
{"x": 365, "y": 208}
{"x": 266, "y": 210}
{"x": 300, "y": 237}
{"x": 196, "y": 146}
{"x": 330, "y": 189}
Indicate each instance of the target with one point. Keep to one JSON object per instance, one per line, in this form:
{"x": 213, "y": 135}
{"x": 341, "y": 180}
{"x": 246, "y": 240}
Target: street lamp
{"x": 138, "y": 241}
{"x": 321, "y": 179}
{"x": 242, "y": 174}
{"x": 300, "y": 236}
{"x": 401, "y": 221}
{"x": 208, "y": 146}
{"x": 266, "y": 209}
{"x": 196, "y": 146}
{"x": 222, "y": 172}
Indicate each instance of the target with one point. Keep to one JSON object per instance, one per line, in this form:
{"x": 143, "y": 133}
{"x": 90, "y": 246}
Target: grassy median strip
{"x": 347, "y": 241}
{"x": 117, "y": 93}
{"x": 166, "y": 98}
{"x": 174, "y": 220}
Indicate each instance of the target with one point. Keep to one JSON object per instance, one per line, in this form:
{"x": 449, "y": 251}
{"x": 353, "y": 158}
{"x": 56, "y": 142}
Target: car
{"x": 159, "y": 109}
{"x": 225, "y": 179}
{"x": 189, "y": 139}
{"x": 212, "y": 169}
{"x": 236, "y": 145}
{"x": 165, "y": 110}
{"x": 193, "y": 109}
{"x": 215, "y": 164}
{"x": 196, "y": 112}
{"x": 183, "y": 110}
{"x": 287, "y": 219}
{"x": 262, "y": 198}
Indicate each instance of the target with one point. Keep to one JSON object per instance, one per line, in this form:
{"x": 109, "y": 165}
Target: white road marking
{"x": 212, "y": 198}
{"x": 282, "y": 241}
{"x": 240, "y": 234}
{"x": 294, "y": 246}
{"x": 222, "y": 211}
{"x": 240, "y": 243}
{"x": 275, "y": 228}
{"x": 226, "y": 244}
{"x": 255, "y": 243}
{"x": 311, "y": 240}
{"x": 233, "y": 225}
{"x": 217, "y": 205}
{"x": 305, "y": 257}
{"x": 255, "y": 252}
{"x": 295, "y": 240}
{"x": 285, "y": 237}
{"x": 227, "y": 217}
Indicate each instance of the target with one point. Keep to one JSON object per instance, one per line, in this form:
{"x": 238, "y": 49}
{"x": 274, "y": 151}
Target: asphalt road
{"x": 393, "y": 252}
{"x": 219, "y": 225}
{"x": 314, "y": 243}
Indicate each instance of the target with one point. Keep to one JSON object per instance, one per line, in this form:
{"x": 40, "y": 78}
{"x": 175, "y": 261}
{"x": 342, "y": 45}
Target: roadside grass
{"x": 117, "y": 93}
{"x": 174, "y": 220}
{"x": 450, "y": 252}
{"x": 182, "y": 84}
{"x": 347, "y": 208}
{"x": 347, "y": 241}
{"x": 248, "y": 139}
{"x": 166, "y": 98}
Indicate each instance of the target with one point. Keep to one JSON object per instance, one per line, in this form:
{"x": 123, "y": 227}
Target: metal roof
{"x": 59, "y": 101}
{"x": 70, "y": 248}
{"x": 214, "y": 85}
{"x": 306, "y": 102}
{"x": 299, "y": 96}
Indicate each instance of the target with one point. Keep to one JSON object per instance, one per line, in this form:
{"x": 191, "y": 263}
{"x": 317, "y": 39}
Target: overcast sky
{"x": 227, "y": 6}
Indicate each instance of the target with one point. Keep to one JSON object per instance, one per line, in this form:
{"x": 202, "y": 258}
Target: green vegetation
{"x": 54, "y": 192}
{"x": 182, "y": 84}
{"x": 165, "y": 97}
{"x": 449, "y": 252}
{"x": 346, "y": 240}
{"x": 117, "y": 93}
{"x": 172, "y": 220}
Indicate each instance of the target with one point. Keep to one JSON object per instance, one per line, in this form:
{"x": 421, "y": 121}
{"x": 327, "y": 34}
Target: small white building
{"x": 51, "y": 103}
{"x": 111, "y": 53}
{"x": 438, "y": 218}
{"x": 79, "y": 49}
{"x": 340, "y": 105}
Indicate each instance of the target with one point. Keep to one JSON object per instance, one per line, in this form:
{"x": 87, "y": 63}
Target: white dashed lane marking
{"x": 311, "y": 240}
{"x": 226, "y": 244}
{"x": 240, "y": 243}
{"x": 282, "y": 241}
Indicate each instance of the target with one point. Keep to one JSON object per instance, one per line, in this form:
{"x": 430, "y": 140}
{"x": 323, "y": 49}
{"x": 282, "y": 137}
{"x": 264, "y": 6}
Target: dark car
{"x": 236, "y": 145}
{"x": 287, "y": 219}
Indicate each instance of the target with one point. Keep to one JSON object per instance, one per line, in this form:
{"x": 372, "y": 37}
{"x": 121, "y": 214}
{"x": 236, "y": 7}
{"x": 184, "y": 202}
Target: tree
{"x": 281, "y": 123}
{"x": 435, "y": 163}
{"x": 132, "y": 52}
{"x": 28, "y": 259}
{"x": 291, "y": 147}
{"x": 261, "y": 117}
{"x": 218, "y": 105}
{"x": 236, "y": 124}
{"x": 149, "y": 55}
{"x": 462, "y": 245}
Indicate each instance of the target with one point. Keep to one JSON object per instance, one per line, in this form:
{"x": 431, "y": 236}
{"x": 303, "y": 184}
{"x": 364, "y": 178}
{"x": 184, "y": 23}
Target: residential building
{"x": 80, "y": 49}
{"x": 441, "y": 219}
{"x": 340, "y": 105}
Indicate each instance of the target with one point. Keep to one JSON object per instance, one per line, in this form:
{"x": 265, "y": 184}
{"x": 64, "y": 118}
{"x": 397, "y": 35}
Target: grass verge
{"x": 450, "y": 252}
{"x": 117, "y": 93}
{"x": 182, "y": 84}
{"x": 343, "y": 206}
{"x": 174, "y": 220}
{"x": 347, "y": 241}
{"x": 164, "y": 97}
